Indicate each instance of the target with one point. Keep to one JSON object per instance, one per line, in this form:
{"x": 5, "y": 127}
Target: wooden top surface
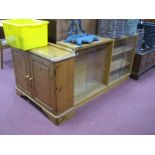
{"x": 75, "y": 47}
{"x": 53, "y": 52}
{"x": 125, "y": 37}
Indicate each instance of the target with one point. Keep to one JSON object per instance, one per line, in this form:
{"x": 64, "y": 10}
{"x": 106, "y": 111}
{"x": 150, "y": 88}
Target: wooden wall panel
{"x": 89, "y": 25}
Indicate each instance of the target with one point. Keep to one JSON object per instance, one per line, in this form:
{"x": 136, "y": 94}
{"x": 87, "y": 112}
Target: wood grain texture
{"x": 53, "y": 52}
{"x": 21, "y": 70}
{"x": 64, "y": 84}
{"x": 92, "y": 66}
{"x": 53, "y": 84}
{"x": 56, "y": 119}
{"x": 50, "y": 84}
{"x": 43, "y": 81}
{"x": 84, "y": 46}
{"x": 108, "y": 61}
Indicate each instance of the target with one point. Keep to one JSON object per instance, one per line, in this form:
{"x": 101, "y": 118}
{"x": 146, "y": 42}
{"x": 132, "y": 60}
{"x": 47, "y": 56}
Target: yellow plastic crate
{"x": 26, "y": 34}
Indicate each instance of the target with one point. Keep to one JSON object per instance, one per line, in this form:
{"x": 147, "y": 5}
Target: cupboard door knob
{"x": 27, "y": 76}
{"x": 30, "y": 79}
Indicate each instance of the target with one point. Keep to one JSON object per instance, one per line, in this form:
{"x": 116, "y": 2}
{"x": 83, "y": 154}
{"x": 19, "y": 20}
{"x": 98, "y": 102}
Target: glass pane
{"x": 126, "y": 62}
{"x": 114, "y": 75}
{"x": 118, "y": 47}
{"x": 89, "y": 71}
{"x": 125, "y": 70}
{"x": 116, "y": 62}
{"x": 129, "y": 44}
{"x": 122, "y": 57}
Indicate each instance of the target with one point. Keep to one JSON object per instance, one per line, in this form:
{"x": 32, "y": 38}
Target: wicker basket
{"x": 140, "y": 40}
{"x": 111, "y": 28}
{"x": 149, "y": 35}
{"x": 130, "y": 27}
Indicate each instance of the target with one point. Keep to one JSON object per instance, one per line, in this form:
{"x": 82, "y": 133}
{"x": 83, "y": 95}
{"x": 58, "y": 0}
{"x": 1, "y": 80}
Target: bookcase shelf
{"x": 122, "y": 57}
{"x": 118, "y": 64}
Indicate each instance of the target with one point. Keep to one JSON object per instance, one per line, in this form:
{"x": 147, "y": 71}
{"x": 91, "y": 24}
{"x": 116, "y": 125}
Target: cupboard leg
{"x": 18, "y": 93}
{"x": 135, "y": 76}
{"x": 62, "y": 119}
{"x": 54, "y": 120}
{"x": 66, "y": 117}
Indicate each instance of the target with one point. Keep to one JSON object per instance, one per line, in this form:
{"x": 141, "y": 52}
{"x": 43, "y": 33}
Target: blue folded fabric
{"x": 79, "y": 39}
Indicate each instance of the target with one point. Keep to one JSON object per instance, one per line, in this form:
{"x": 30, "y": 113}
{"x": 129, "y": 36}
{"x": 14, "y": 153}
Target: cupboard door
{"x": 22, "y": 72}
{"x": 42, "y": 78}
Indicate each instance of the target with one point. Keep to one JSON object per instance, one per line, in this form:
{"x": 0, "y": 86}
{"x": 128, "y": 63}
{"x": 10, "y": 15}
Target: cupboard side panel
{"x": 65, "y": 84}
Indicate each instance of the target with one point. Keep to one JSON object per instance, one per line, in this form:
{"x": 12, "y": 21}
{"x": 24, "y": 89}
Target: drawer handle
{"x": 30, "y": 79}
{"x": 27, "y": 76}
